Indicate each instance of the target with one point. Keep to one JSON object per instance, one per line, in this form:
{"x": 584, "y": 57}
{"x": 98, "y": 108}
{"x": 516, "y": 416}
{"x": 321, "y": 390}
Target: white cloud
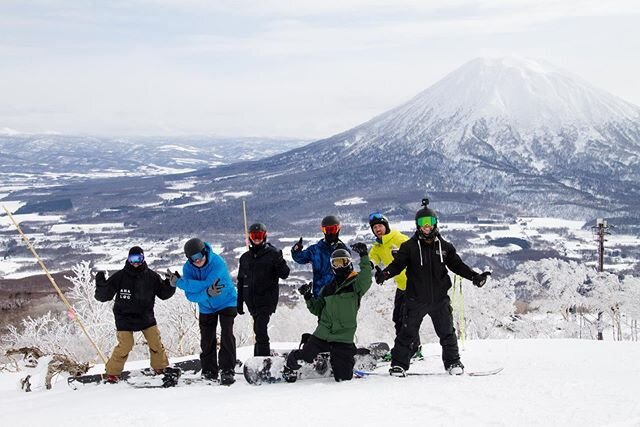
{"x": 276, "y": 67}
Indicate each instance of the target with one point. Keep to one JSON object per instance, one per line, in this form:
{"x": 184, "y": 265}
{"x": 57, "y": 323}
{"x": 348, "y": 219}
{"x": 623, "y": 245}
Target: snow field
{"x": 545, "y": 382}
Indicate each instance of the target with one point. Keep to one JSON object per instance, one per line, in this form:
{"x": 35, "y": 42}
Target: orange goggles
{"x": 330, "y": 229}
{"x": 257, "y": 235}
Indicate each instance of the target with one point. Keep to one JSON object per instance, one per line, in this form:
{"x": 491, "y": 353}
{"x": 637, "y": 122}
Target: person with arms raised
{"x": 135, "y": 289}
{"x": 427, "y": 258}
{"x": 319, "y": 254}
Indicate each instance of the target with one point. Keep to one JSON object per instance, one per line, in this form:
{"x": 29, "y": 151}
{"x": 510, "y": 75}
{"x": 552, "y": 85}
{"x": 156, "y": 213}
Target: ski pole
{"x": 53, "y": 282}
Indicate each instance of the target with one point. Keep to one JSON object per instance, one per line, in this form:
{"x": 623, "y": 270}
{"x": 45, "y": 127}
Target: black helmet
{"x": 258, "y": 231}
{"x": 330, "y": 220}
{"x": 426, "y": 216}
{"x": 341, "y": 262}
{"x": 330, "y": 227}
{"x": 378, "y": 218}
{"x": 193, "y": 246}
{"x": 258, "y": 226}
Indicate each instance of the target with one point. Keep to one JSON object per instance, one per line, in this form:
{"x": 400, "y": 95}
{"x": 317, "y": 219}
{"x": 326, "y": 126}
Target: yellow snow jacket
{"x": 381, "y": 253}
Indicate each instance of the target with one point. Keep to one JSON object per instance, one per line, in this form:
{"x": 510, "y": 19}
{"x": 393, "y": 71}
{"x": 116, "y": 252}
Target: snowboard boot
{"x": 292, "y": 360}
{"x": 111, "y": 379}
{"x": 289, "y": 375}
{"x": 170, "y": 377}
{"x": 227, "y": 377}
{"x": 397, "y": 371}
{"x": 456, "y": 368}
{"x": 210, "y": 375}
{"x": 321, "y": 364}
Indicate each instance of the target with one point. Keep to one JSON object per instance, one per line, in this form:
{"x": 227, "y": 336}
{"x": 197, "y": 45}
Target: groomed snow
{"x": 545, "y": 382}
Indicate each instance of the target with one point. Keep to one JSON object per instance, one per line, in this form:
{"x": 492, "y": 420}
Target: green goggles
{"x": 427, "y": 220}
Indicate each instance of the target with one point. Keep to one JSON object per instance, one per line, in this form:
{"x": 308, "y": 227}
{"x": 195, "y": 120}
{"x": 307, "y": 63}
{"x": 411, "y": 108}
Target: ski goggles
{"x": 135, "y": 258}
{"x": 257, "y": 235}
{"x": 340, "y": 262}
{"x": 376, "y": 215}
{"x": 330, "y": 229}
{"x": 427, "y": 220}
{"x": 197, "y": 256}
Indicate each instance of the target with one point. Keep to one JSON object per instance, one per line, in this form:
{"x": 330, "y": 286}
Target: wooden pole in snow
{"x": 246, "y": 229}
{"x": 53, "y": 282}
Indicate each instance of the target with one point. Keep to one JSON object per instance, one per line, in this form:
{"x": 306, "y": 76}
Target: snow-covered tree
{"x": 487, "y": 310}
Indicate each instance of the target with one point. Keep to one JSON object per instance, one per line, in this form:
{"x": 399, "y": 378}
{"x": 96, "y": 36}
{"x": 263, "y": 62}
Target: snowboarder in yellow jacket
{"x": 382, "y": 252}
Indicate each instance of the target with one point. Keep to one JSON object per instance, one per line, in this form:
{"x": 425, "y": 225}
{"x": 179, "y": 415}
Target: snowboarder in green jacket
{"x": 337, "y": 310}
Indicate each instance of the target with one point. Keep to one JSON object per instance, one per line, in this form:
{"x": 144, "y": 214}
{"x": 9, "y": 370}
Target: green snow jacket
{"x": 338, "y": 304}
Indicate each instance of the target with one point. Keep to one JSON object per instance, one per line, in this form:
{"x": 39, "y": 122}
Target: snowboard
{"x": 259, "y": 370}
{"x": 184, "y": 379}
{"x": 365, "y": 373}
{"x": 133, "y": 376}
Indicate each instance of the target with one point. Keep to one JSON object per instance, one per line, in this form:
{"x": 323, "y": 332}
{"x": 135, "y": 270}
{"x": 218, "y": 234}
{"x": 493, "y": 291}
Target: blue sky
{"x": 306, "y": 69}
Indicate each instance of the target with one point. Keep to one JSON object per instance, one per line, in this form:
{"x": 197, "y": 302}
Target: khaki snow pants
{"x": 159, "y": 361}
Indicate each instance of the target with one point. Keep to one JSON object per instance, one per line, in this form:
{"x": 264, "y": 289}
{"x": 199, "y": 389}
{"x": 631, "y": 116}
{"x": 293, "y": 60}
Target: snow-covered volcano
{"x": 494, "y": 136}
{"x": 503, "y": 132}
{"x": 523, "y": 112}
{"x": 524, "y": 93}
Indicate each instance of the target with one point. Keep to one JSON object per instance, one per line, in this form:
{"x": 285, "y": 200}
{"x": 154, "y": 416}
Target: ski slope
{"x": 545, "y": 382}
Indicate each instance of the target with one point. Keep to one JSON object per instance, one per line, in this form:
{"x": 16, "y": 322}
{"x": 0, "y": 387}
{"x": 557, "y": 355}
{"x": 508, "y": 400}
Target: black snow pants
{"x": 341, "y": 356}
{"x": 209, "y": 342}
{"x": 398, "y": 315}
{"x": 261, "y": 318}
{"x": 441, "y": 315}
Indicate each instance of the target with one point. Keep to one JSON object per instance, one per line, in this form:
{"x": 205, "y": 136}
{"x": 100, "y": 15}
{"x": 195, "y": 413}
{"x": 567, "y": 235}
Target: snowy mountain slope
{"x": 493, "y": 136}
{"x": 506, "y": 136}
{"x": 74, "y": 157}
{"x": 545, "y": 382}
{"x": 526, "y": 93}
{"x": 506, "y": 128}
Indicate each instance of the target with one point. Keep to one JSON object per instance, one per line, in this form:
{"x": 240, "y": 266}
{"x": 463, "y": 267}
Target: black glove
{"x": 480, "y": 279}
{"x": 172, "y": 277}
{"x": 100, "y": 278}
{"x": 381, "y": 275}
{"x": 360, "y": 248}
{"x": 215, "y": 289}
{"x": 298, "y": 246}
{"x": 305, "y": 290}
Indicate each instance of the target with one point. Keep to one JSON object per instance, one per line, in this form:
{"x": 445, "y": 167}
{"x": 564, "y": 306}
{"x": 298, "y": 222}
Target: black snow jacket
{"x": 258, "y": 275}
{"x": 426, "y": 263}
{"x": 135, "y": 290}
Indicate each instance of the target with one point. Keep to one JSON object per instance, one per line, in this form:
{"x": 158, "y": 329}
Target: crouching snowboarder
{"x": 135, "y": 288}
{"x": 337, "y": 310}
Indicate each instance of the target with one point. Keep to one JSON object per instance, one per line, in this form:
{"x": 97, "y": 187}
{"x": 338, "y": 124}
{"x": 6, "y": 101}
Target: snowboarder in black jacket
{"x": 260, "y": 269}
{"x": 427, "y": 258}
{"x": 135, "y": 288}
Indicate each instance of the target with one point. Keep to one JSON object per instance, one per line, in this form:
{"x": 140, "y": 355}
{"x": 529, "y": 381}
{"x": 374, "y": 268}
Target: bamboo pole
{"x": 246, "y": 242}
{"x": 246, "y": 229}
{"x": 53, "y": 282}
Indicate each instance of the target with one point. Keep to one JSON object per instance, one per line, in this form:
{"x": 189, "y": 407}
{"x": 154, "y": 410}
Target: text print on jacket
{"x": 135, "y": 290}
